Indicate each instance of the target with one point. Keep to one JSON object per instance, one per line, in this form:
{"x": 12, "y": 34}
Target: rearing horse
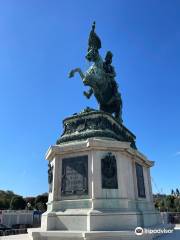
{"x": 104, "y": 87}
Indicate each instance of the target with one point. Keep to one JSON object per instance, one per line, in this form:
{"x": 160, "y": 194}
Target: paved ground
{"x": 16, "y": 237}
{"x": 171, "y": 236}
{"x": 174, "y": 236}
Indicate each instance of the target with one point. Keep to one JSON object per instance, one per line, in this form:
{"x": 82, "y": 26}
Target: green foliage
{"x": 40, "y": 202}
{"x": 162, "y": 205}
{"x": 10, "y": 200}
{"x": 177, "y": 204}
{"x": 30, "y": 202}
{"x": 170, "y": 203}
{"x": 5, "y": 199}
{"x": 17, "y": 203}
{"x": 177, "y": 192}
{"x": 4, "y": 204}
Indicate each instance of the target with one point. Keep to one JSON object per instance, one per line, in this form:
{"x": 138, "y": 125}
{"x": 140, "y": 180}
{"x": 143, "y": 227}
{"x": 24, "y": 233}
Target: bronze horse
{"x": 101, "y": 80}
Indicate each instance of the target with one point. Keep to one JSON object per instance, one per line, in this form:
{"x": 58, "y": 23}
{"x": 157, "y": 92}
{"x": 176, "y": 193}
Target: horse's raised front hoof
{"x": 71, "y": 74}
{"x": 86, "y": 94}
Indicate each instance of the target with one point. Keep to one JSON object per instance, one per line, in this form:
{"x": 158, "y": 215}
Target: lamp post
{"x": 28, "y": 205}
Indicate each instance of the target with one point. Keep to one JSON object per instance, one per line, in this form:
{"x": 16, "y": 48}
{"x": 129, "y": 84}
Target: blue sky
{"x": 40, "y": 41}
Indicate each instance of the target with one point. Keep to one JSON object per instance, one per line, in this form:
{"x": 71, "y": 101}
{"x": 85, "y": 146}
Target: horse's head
{"x": 92, "y": 54}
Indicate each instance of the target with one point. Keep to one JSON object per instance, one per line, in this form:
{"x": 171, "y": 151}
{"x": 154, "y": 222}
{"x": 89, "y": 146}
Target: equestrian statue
{"x": 100, "y": 78}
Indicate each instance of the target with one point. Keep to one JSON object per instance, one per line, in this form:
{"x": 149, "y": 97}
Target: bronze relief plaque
{"x": 140, "y": 181}
{"x": 75, "y": 176}
{"x": 109, "y": 172}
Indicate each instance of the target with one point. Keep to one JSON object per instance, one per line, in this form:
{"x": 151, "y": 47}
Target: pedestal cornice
{"x": 97, "y": 144}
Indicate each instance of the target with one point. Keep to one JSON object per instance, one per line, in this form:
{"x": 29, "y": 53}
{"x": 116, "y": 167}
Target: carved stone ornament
{"x": 109, "y": 172}
{"x": 50, "y": 176}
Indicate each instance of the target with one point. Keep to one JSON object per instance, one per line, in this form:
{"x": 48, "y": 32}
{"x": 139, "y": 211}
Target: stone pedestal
{"x": 100, "y": 187}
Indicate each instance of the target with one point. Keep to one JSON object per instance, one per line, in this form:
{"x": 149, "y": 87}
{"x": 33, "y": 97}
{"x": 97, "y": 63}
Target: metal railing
{"x": 13, "y": 232}
{"x": 174, "y": 217}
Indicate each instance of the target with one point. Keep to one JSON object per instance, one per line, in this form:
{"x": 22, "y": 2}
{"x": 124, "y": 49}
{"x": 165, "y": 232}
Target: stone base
{"x": 80, "y": 205}
{"x": 39, "y": 234}
{"x": 100, "y": 208}
{"x": 95, "y": 220}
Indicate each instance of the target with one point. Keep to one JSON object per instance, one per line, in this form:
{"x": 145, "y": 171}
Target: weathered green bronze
{"x": 100, "y": 77}
{"x": 107, "y": 121}
{"x": 109, "y": 172}
{"x": 94, "y": 123}
{"x": 50, "y": 176}
{"x": 75, "y": 176}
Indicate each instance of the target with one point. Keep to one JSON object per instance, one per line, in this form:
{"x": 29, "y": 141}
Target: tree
{"x": 4, "y": 204}
{"x": 177, "y": 204}
{"x": 5, "y": 199}
{"x": 40, "y": 202}
{"x": 31, "y": 202}
{"x": 169, "y": 203}
{"x": 17, "y": 203}
{"x": 10, "y": 193}
{"x": 177, "y": 192}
